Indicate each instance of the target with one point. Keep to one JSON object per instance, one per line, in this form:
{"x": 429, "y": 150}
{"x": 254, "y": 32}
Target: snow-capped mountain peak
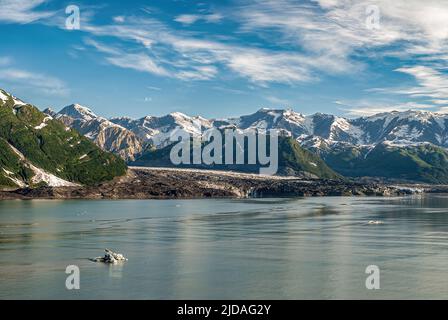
{"x": 179, "y": 115}
{"x": 49, "y": 111}
{"x": 78, "y": 112}
{"x": 5, "y": 96}
{"x": 110, "y": 136}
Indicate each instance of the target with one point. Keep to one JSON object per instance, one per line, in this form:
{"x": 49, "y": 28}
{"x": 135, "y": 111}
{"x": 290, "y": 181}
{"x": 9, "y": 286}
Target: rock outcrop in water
{"x": 110, "y": 257}
{"x": 152, "y": 183}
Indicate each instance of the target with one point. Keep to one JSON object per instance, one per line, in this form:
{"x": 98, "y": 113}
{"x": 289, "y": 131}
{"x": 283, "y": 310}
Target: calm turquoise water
{"x": 226, "y": 249}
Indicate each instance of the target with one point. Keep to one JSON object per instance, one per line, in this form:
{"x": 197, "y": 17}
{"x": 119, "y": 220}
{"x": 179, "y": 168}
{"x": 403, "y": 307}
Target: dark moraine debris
{"x": 161, "y": 183}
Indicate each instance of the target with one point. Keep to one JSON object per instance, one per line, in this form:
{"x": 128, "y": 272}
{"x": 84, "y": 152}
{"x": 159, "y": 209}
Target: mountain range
{"x": 416, "y": 141}
{"x": 410, "y": 145}
{"x": 396, "y": 128}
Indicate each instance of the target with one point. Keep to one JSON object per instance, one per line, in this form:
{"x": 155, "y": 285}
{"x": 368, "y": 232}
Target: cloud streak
{"x": 431, "y": 84}
{"x": 368, "y": 108}
{"x": 187, "y": 57}
{"x": 336, "y": 30}
{"x": 24, "y": 11}
{"x": 5, "y": 61}
{"x": 188, "y": 19}
{"x": 43, "y": 83}
{"x": 276, "y": 41}
{"x": 329, "y": 36}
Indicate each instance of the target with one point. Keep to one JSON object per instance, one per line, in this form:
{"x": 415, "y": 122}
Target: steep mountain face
{"x": 293, "y": 160}
{"x": 106, "y": 134}
{"x": 36, "y": 149}
{"x": 157, "y": 130}
{"x": 404, "y": 128}
{"x": 397, "y": 145}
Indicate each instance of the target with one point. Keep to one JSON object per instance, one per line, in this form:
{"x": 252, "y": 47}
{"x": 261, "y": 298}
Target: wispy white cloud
{"x": 440, "y": 102}
{"x": 23, "y": 11}
{"x": 325, "y": 32}
{"x": 328, "y": 34}
{"x": 258, "y": 65}
{"x": 136, "y": 61}
{"x": 443, "y": 110}
{"x": 44, "y": 83}
{"x": 278, "y": 102}
{"x": 229, "y": 90}
{"x": 336, "y": 30}
{"x": 193, "y": 58}
{"x": 308, "y": 39}
{"x": 339, "y": 27}
{"x": 5, "y": 61}
{"x": 188, "y": 19}
{"x": 367, "y": 108}
{"x": 179, "y": 69}
{"x": 119, "y": 19}
{"x": 198, "y": 73}
{"x": 431, "y": 83}
{"x": 144, "y": 63}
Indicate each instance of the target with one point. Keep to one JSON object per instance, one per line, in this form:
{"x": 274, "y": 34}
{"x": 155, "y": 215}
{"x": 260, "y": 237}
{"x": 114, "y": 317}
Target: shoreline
{"x": 174, "y": 183}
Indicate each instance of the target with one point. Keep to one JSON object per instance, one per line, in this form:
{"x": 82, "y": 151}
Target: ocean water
{"x": 302, "y": 248}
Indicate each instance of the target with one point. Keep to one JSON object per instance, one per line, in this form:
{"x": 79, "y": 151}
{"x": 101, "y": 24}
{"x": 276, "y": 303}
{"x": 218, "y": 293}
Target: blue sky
{"x": 228, "y": 57}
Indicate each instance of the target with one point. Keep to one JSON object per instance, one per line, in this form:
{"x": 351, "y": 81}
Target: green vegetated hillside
{"x": 29, "y": 139}
{"x": 422, "y": 163}
{"x": 293, "y": 160}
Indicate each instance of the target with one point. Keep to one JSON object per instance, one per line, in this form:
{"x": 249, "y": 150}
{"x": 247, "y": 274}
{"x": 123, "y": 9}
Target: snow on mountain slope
{"x": 39, "y": 176}
{"x": 157, "y": 130}
{"x": 410, "y": 137}
{"x": 325, "y": 130}
{"x": 44, "y": 123}
{"x": 49, "y": 179}
{"x": 36, "y": 149}
{"x": 405, "y": 127}
{"x": 298, "y": 125}
{"x": 78, "y": 112}
{"x": 5, "y": 97}
{"x": 267, "y": 119}
{"x": 106, "y": 134}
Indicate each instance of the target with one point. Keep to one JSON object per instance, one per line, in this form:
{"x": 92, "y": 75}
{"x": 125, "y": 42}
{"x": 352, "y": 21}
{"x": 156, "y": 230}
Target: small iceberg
{"x": 376, "y": 222}
{"x": 110, "y": 257}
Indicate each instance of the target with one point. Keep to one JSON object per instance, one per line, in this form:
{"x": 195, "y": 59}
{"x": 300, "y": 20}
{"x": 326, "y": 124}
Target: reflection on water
{"x": 116, "y": 271}
{"x": 226, "y": 249}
